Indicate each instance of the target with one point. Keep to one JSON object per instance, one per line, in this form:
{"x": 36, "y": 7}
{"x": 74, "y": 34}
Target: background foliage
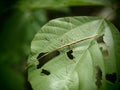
{"x": 21, "y": 19}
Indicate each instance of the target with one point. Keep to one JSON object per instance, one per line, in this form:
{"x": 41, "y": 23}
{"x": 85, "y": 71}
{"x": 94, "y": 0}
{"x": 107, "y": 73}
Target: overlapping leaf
{"x": 75, "y": 53}
{"x": 60, "y": 3}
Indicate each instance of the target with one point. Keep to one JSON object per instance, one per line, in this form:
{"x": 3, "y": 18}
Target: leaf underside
{"x": 58, "y": 62}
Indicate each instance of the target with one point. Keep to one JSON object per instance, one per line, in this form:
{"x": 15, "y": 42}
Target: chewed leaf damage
{"x": 46, "y": 72}
{"x": 98, "y": 77}
{"x": 100, "y": 39}
{"x": 69, "y": 54}
{"x": 103, "y": 46}
{"x": 43, "y": 58}
{"x": 41, "y": 54}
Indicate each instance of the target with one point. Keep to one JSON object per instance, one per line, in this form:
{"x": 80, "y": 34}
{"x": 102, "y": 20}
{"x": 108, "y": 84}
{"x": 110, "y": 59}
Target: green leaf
{"x": 75, "y": 53}
{"x": 31, "y": 4}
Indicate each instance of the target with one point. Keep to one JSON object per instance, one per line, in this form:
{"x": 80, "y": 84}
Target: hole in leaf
{"x": 69, "y": 54}
{"x": 111, "y": 77}
{"x": 45, "y": 57}
{"x": 98, "y": 77}
{"x": 46, "y": 72}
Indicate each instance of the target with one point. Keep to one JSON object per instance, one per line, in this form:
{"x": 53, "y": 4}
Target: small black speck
{"x": 46, "y": 72}
{"x": 111, "y": 77}
{"x": 69, "y": 54}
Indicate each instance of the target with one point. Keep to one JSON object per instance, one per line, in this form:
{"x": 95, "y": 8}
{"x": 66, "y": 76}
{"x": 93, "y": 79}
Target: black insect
{"x": 45, "y": 57}
{"x": 111, "y": 77}
{"x": 69, "y": 54}
{"x": 98, "y": 77}
{"x": 46, "y": 72}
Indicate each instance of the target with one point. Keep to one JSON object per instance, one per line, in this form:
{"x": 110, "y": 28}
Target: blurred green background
{"x": 18, "y": 26}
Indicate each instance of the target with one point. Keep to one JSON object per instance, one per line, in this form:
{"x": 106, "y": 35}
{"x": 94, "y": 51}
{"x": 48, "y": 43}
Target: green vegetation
{"x": 61, "y": 44}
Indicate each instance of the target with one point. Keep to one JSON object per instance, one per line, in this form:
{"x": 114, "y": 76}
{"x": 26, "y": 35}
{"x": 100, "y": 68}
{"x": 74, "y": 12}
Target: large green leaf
{"x": 75, "y": 53}
{"x": 60, "y": 3}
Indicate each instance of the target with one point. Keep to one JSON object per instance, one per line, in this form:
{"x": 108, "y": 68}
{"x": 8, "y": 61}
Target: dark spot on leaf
{"x": 99, "y": 73}
{"x": 105, "y": 53}
{"x": 69, "y": 54}
{"x": 103, "y": 46}
{"x": 41, "y": 54}
{"x": 99, "y": 84}
{"x": 45, "y": 57}
{"x": 98, "y": 77}
{"x": 100, "y": 39}
{"x": 46, "y": 72}
{"x": 111, "y": 77}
